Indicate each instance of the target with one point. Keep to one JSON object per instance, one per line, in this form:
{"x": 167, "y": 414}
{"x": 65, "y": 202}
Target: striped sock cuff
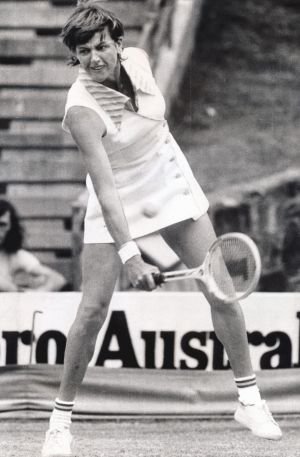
{"x": 247, "y": 381}
{"x": 63, "y": 405}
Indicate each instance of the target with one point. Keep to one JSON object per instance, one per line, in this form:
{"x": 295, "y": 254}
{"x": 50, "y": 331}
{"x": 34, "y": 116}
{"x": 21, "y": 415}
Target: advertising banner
{"x": 162, "y": 330}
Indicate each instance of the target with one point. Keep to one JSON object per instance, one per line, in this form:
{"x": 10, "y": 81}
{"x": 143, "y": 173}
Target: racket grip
{"x": 159, "y": 278}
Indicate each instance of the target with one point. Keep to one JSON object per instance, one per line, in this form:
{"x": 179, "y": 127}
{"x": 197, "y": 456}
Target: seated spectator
{"x": 19, "y": 269}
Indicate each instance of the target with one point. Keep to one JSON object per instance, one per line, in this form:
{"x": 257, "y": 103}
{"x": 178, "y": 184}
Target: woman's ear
{"x": 73, "y": 60}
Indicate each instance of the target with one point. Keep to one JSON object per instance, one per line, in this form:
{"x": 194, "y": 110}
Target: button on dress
{"x": 154, "y": 180}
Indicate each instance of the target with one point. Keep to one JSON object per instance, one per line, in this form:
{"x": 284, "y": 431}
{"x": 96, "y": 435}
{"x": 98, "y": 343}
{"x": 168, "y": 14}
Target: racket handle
{"x": 159, "y": 278}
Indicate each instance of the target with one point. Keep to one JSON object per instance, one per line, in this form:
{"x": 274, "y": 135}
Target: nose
{"x": 95, "y": 56}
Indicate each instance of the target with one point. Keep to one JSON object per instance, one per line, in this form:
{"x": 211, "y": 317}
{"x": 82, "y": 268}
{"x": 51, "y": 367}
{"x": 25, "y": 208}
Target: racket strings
{"x": 233, "y": 267}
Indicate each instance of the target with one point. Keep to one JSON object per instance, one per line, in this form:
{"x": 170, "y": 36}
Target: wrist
{"x": 128, "y": 250}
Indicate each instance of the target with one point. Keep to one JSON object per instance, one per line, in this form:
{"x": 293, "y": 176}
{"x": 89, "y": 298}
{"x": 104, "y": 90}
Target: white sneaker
{"x": 259, "y": 420}
{"x": 57, "y": 443}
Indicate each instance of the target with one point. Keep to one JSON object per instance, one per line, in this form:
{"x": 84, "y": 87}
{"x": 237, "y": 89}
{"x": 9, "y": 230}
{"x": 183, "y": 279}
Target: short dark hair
{"x": 87, "y": 19}
{"x": 14, "y": 237}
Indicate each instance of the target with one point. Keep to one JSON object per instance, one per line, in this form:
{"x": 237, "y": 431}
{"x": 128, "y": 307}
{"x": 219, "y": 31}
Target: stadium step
{"x": 39, "y": 140}
{"x": 48, "y": 74}
{"x": 17, "y": 50}
{"x": 43, "y": 171}
{"x": 42, "y": 208}
{"x": 12, "y": 48}
{"x": 46, "y": 16}
{"x": 49, "y": 241}
{"x": 61, "y": 156}
{"x": 32, "y": 107}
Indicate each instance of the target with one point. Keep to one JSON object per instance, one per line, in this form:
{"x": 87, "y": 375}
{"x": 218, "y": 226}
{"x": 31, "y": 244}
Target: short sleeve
{"x": 79, "y": 96}
{"x": 24, "y": 261}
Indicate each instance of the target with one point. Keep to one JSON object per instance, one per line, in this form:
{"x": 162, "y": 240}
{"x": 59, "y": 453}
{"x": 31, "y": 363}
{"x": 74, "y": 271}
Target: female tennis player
{"x": 115, "y": 113}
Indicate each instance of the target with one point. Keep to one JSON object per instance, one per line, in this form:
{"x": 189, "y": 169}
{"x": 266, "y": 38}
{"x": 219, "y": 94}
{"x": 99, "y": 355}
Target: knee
{"x": 226, "y": 309}
{"x": 90, "y": 319}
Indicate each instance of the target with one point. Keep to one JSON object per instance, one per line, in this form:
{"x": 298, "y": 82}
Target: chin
{"x": 98, "y": 77}
{"x": 98, "y": 80}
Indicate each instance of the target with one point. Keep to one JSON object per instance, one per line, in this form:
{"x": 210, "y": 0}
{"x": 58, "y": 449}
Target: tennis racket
{"x": 230, "y": 271}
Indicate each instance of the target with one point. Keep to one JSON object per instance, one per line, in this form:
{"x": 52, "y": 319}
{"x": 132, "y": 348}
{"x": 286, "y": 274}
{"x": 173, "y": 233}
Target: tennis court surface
{"x": 153, "y": 438}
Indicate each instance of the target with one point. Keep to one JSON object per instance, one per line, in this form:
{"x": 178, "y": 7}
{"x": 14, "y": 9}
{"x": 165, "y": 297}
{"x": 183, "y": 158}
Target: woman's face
{"x": 5, "y": 225}
{"x": 99, "y": 57}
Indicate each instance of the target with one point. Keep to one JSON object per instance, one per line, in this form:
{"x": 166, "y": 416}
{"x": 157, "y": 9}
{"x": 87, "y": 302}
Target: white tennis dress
{"x": 155, "y": 183}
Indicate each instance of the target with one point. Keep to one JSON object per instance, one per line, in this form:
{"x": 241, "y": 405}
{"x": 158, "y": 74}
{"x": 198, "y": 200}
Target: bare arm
{"x": 45, "y": 279}
{"x": 87, "y": 129}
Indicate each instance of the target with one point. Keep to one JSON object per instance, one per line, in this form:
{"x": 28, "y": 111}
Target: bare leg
{"x": 191, "y": 240}
{"x": 100, "y": 268}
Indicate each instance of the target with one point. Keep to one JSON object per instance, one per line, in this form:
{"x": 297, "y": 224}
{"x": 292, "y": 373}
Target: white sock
{"x": 61, "y": 414}
{"x": 248, "y": 391}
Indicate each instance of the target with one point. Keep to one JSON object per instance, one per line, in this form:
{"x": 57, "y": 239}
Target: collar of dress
{"x": 112, "y": 101}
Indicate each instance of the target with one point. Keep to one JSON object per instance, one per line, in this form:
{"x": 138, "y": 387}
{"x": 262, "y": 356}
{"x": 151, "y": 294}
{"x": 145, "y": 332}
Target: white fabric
{"x": 153, "y": 178}
{"x": 21, "y": 261}
{"x": 79, "y": 96}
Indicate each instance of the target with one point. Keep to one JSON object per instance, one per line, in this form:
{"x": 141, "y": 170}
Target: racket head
{"x": 232, "y": 267}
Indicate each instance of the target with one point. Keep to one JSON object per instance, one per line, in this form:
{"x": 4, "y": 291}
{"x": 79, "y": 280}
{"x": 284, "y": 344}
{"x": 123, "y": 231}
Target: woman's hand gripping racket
{"x": 230, "y": 271}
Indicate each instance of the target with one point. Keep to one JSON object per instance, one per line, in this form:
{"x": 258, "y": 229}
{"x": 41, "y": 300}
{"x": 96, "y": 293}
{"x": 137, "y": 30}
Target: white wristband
{"x": 128, "y": 250}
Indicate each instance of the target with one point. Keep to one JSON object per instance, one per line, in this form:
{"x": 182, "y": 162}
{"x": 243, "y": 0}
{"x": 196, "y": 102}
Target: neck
{"x": 115, "y": 81}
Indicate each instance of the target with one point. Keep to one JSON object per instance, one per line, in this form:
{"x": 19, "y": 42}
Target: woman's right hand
{"x": 140, "y": 273}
